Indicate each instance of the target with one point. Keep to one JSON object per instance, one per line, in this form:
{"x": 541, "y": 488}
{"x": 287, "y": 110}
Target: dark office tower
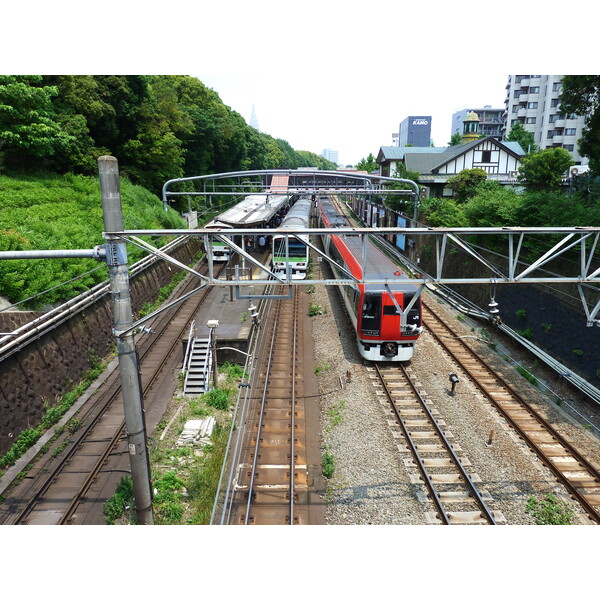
{"x": 415, "y": 131}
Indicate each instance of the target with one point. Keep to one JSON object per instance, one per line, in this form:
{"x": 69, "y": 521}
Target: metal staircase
{"x": 198, "y": 367}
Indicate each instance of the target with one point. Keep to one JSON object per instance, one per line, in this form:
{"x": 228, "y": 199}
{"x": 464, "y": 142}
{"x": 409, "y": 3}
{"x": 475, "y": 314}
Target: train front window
{"x": 371, "y": 314}
{"x": 296, "y": 249}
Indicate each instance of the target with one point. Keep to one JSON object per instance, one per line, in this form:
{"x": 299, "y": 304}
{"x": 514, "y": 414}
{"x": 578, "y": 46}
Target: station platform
{"x": 233, "y": 315}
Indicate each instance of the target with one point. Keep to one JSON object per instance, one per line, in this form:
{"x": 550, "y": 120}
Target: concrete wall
{"x": 57, "y": 362}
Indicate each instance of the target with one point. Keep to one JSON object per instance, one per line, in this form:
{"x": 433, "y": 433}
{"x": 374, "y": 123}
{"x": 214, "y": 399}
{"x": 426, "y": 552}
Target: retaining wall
{"x": 37, "y": 375}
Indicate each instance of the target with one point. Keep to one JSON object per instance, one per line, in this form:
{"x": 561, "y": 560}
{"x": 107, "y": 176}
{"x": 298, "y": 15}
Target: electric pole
{"x": 131, "y": 388}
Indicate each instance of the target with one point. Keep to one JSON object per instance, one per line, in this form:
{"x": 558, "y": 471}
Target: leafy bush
{"x": 121, "y": 502}
{"x": 550, "y": 511}
{"x": 217, "y": 398}
{"x": 526, "y": 333}
{"x": 328, "y": 464}
{"x": 234, "y": 372}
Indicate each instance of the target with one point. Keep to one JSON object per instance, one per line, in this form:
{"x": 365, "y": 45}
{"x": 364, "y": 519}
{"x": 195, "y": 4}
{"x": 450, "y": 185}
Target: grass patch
{"x": 550, "y": 511}
{"x": 63, "y": 211}
{"x": 316, "y": 309}
{"x": 233, "y": 371}
{"x": 322, "y": 369}
{"x": 328, "y": 464}
{"x": 336, "y": 414}
{"x": 121, "y": 504}
{"x": 527, "y": 375}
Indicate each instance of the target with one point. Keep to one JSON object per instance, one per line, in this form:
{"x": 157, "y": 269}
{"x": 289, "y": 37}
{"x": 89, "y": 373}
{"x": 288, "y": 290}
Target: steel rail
{"x": 428, "y": 482}
{"x": 293, "y": 407}
{"x": 96, "y": 413}
{"x": 485, "y": 511}
{"x": 234, "y": 450}
{"x": 261, "y": 417}
{"x": 582, "y": 460}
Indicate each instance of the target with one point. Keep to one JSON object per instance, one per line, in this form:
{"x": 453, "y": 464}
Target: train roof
{"x": 254, "y": 210}
{"x": 378, "y": 265}
{"x": 333, "y": 216}
{"x": 298, "y": 217}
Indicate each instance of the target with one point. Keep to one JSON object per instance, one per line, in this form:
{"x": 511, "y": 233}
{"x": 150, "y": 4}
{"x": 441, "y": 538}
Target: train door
{"x": 390, "y": 324}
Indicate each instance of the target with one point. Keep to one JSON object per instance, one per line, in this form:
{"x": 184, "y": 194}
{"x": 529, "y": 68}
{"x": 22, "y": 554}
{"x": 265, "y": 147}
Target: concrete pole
{"x": 131, "y": 389}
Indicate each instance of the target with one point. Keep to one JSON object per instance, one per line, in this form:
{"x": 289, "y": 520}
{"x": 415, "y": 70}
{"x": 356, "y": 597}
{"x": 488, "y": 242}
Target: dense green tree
{"x": 368, "y": 164}
{"x": 493, "y": 205}
{"x": 580, "y": 95}
{"x": 545, "y": 208}
{"x": 455, "y": 139}
{"x": 402, "y": 203}
{"x": 525, "y": 138}
{"x": 30, "y": 135}
{"x": 464, "y": 184}
{"x": 310, "y": 159}
{"x": 544, "y": 170}
{"x": 442, "y": 212}
{"x": 159, "y": 127}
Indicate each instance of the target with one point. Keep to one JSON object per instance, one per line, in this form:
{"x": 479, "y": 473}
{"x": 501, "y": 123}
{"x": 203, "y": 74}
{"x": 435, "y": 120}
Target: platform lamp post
{"x": 212, "y": 325}
{"x": 131, "y": 388}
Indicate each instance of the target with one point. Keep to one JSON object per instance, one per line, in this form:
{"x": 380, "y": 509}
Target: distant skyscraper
{"x": 253, "y": 119}
{"x": 330, "y": 154}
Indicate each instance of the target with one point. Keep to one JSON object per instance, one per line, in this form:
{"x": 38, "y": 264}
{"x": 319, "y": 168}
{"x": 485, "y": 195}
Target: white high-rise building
{"x": 534, "y": 101}
{"x": 330, "y": 154}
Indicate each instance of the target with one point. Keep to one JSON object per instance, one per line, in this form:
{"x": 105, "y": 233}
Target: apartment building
{"x": 534, "y": 100}
{"x": 491, "y": 121}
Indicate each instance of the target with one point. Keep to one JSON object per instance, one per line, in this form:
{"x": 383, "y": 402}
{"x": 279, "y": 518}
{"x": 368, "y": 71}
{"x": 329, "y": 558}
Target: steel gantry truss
{"x": 582, "y": 239}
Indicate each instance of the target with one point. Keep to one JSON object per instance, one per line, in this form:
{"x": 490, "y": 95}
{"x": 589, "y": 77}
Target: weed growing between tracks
{"x": 550, "y": 511}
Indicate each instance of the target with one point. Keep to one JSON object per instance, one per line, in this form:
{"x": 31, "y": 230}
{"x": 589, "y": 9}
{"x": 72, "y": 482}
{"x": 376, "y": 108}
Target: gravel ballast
{"x": 371, "y": 482}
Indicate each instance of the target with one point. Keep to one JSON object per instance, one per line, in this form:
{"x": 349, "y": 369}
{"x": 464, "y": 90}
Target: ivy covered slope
{"x": 58, "y": 212}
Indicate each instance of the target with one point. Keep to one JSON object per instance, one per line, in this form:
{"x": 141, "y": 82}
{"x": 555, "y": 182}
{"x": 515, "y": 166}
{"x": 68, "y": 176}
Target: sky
{"x": 355, "y": 119}
{"x": 320, "y": 74}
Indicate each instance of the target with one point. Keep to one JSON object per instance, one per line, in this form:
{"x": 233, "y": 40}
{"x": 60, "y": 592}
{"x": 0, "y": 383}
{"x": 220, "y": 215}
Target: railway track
{"x": 441, "y": 470}
{"x": 573, "y": 470}
{"x": 68, "y": 487}
{"x": 273, "y": 484}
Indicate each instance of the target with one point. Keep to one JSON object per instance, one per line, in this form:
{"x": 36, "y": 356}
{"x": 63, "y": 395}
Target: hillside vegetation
{"x": 159, "y": 127}
{"x": 64, "y": 212}
{"x": 53, "y": 128}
